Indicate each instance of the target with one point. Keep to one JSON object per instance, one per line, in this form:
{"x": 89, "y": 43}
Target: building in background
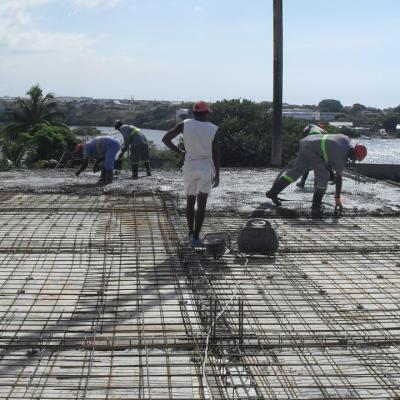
{"x": 309, "y": 115}
{"x": 181, "y": 114}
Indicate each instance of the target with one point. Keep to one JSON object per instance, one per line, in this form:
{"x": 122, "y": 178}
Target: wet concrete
{"x": 240, "y": 190}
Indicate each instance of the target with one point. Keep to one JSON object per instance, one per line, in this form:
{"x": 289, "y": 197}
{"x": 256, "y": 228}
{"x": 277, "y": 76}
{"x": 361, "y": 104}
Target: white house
{"x": 301, "y": 113}
{"x": 341, "y": 124}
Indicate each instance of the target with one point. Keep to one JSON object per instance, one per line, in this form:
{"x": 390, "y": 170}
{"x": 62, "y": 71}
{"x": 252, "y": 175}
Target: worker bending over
{"x": 201, "y": 164}
{"x": 310, "y": 129}
{"x": 138, "y": 146}
{"x": 101, "y": 148}
{"x": 321, "y": 153}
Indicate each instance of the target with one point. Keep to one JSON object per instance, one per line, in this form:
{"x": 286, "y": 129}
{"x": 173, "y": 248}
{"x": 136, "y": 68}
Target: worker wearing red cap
{"x": 201, "y": 164}
{"x": 101, "y": 148}
{"x": 321, "y": 153}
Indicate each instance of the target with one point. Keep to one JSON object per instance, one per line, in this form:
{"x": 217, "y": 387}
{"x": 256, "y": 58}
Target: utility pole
{"x": 276, "y": 143}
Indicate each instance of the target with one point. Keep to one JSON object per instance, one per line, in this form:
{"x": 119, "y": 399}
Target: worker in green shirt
{"x": 136, "y": 141}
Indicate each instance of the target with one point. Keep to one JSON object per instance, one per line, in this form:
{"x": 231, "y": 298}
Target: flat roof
{"x": 102, "y": 297}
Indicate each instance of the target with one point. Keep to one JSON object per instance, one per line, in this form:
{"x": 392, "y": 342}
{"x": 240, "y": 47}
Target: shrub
{"x": 51, "y": 141}
{"x": 42, "y": 142}
{"x": 245, "y": 133}
{"x": 86, "y": 131}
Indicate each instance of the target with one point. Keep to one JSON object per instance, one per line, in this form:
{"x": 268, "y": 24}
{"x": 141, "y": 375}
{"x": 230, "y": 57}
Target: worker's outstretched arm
{"x": 171, "y": 135}
{"x": 216, "y": 155}
{"x": 83, "y": 166}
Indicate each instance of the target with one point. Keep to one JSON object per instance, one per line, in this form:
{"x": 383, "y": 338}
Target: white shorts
{"x": 198, "y": 176}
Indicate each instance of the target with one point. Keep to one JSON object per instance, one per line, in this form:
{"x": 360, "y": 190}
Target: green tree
{"x": 389, "y": 122}
{"x": 34, "y": 109}
{"x": 330, "y": 105}
{"x": 358, "y": 108}
{"x": 42, "y": 142}
{"x": 245, "y": 133}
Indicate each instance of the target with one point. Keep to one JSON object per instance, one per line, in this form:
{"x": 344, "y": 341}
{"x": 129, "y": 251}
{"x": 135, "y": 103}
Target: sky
{"x": 210, "y": 49}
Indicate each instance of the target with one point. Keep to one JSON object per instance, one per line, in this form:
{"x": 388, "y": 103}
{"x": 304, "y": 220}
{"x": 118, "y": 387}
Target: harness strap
{"x": 323, "y": 148}
{"x": 133, "y": 132}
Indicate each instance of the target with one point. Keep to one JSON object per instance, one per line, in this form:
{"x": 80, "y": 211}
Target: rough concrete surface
{"x": 101, "y": 296}
{"x": 240, "y": 189}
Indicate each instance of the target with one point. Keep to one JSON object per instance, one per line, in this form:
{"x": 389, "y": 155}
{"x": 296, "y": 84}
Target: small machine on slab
{"x": 258, "y": 237}
{"x": 216, "y": 244}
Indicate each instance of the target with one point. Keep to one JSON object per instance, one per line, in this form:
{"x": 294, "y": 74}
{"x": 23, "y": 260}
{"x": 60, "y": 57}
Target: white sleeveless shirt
{"x": 198, "y": 137}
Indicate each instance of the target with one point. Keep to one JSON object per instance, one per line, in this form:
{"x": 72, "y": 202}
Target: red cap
{"x": 360, "y": 152}
{"x": 79, "y": 148}
{"x": 201, "y": 106}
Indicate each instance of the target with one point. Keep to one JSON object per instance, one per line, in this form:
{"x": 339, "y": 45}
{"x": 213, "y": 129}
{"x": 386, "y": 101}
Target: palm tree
{"x": 32, "y": 110}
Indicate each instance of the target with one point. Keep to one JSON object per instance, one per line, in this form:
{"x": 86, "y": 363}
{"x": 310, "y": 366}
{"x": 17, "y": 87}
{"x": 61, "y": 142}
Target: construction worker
{"x": 320, "y": 153}
{"x": 101, "y": 148}
{"x": 138, "y": 146}
{"x": 201, "y": 157}
{"x": 310, "y": 129}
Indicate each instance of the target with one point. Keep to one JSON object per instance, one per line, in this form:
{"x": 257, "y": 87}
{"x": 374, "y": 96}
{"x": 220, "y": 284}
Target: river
{"x": 151, "y": 134}
{"x": 380, "y": 151}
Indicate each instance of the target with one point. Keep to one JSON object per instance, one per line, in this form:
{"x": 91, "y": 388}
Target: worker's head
{"x": 79, "y": 149}
{"x": 321, "y": 125}
{"x": 358, "y": 152}
{"x": 117, "y": 124}
{"x": 201, "y": 110}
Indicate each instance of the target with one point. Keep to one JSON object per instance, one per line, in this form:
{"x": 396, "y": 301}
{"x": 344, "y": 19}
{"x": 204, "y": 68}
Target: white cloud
{"x": 80, "y": 5}
{"x": 16, "y": 12}
{"x": 16, "y": 35}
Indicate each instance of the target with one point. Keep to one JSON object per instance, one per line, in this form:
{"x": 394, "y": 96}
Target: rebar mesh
{"x": 101, "y": 297}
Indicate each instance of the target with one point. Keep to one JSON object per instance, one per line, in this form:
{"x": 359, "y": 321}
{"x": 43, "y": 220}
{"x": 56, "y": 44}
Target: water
{"x": 152, "y": 135}
{"x": 381, "y": 151}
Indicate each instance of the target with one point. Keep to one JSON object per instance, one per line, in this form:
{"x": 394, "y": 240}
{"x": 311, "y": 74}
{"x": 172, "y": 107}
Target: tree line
{"x": 36, "y": 129}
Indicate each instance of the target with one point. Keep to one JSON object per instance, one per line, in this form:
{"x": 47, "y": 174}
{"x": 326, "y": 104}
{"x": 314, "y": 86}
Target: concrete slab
{"x": 102, "y": 297}
{"x": 240, "y": 189}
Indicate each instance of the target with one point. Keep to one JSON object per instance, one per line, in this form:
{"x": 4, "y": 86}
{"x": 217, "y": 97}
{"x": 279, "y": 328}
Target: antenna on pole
{"x": 276, "y": 143}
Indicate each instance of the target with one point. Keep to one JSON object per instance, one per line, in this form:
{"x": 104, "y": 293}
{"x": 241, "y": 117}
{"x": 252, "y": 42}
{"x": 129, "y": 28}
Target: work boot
{"x": 277, "y": 187}
{"x": 316, "y": 208}
{"x": 147, "y": 166}
{"x": 135, "y": 171}
{"x": 108, "y": 177}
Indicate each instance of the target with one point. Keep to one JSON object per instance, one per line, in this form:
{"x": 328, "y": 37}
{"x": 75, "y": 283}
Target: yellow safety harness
{"x": 323, "y": 148}
{"x": 133, "y": 132}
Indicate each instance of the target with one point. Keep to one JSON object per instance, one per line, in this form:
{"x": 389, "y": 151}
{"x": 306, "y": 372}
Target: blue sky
{"x": 209, "y": 49}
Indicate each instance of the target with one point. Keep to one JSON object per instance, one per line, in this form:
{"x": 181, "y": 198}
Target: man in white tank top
{"x": 201, "y": 164}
